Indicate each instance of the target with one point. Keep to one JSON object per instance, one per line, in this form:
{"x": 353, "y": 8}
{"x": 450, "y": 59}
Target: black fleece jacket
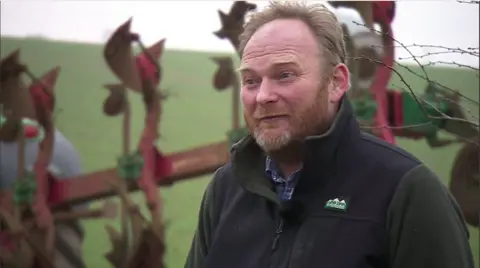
{"x": 359, "y": 202}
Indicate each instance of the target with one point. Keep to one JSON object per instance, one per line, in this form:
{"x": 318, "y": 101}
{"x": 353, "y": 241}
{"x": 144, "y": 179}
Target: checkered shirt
{"x": 284, "y": 187}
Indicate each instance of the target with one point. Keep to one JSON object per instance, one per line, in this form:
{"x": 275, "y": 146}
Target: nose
{"x": 266, "y": 93}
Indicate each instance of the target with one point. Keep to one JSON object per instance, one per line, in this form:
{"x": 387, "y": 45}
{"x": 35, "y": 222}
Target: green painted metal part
{"x": 24, "y": 189}
{"x": 413, "y": 114}
{"x": 364, "y": 108}
{"x": 129, "y": 167}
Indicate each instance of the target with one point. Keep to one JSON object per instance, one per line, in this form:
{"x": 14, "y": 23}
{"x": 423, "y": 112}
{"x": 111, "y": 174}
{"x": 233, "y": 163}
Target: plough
{"x": 40, "y": 198}
{"x": 389, "y": 113}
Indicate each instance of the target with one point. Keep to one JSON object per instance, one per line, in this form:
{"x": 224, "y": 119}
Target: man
{"x": 306, "y": 188}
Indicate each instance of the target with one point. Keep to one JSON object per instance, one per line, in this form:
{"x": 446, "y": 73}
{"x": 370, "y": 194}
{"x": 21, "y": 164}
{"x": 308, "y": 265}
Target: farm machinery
{"x": 40, "y": 198}
{"x": 389, "y": 113}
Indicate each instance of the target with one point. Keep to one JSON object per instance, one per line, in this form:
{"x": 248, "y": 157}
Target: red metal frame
{"x": 383, "y": 13}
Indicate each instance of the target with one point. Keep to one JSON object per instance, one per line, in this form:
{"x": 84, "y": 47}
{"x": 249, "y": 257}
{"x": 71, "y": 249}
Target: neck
{"x": 290, "y": 158}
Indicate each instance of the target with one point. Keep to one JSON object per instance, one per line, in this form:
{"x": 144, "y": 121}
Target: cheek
{"x": 300, "y": 97}
{"x": 248, "y": 101}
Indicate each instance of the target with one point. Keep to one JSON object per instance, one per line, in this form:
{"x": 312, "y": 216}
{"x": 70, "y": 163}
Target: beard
{"x": 275, "y": 143}
{"x": 310, "y": 119}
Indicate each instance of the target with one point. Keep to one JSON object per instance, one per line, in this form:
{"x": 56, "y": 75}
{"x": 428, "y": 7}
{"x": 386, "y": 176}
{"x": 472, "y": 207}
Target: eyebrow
{"x": 246, "y": 68}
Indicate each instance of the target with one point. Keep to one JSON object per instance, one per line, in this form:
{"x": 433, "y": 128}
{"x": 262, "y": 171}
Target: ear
{"x": 340, "y": 82}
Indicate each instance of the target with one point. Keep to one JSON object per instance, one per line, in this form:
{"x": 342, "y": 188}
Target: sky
{"x": 189, "y": 24}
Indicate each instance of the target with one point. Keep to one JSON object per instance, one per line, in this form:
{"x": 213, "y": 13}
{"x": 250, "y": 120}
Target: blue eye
{"x": 248, "y": 81}
{"x": 285, "y": 75}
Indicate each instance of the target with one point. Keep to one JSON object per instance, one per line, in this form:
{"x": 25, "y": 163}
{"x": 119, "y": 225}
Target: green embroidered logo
{"x": 336, "y": 204}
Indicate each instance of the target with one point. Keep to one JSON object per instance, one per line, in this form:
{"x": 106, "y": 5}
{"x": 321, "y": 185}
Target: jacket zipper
{"x": 278, "y": 232}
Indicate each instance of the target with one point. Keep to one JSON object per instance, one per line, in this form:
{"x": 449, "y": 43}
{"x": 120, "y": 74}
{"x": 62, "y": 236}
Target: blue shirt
{"x": 65, "y": 159}
{"x": 284, "y": 187}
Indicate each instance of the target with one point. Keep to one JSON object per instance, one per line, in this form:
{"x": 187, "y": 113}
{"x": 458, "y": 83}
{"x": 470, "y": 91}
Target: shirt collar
{"x": 269, "y": 166}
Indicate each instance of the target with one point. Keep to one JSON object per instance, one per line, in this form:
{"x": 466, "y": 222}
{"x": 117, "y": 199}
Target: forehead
{"x": 278, "y": 42}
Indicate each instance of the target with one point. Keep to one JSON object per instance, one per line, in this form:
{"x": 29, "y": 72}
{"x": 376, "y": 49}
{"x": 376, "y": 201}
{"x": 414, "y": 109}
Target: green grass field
{"x": 195, "y": 115}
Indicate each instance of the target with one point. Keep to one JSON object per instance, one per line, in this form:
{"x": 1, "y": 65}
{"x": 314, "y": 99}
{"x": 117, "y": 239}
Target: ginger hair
{"x": 322, "y": 22}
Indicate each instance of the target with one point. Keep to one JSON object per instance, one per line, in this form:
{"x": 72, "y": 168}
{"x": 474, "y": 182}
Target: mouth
{"x": 272, "y": 117}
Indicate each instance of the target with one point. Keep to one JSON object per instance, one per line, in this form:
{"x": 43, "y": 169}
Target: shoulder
{"x": 386, "y": 156}
{"x": 216, "y": 193}
{"x": 423, "y": 220}
{"x": 65, "y": 157}
{"x": 381, "y": 164}
{"x": 411, "y": 179}
{"x": 422, "y": 183}
{"x": 222, "y": 179}
{"x": 62, "y": 143}
{"x": 223, "y": 188}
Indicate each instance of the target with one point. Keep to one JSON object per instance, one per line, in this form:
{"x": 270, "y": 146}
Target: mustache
{"x": 267, "y": 114}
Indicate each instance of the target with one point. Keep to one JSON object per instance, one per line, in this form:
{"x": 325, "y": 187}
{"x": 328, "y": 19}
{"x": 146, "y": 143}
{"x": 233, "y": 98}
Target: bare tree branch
{"x": 468, "y": 111}
{"x": 432, "y": 63}
{"x": 420, "y": 103}
{"x": 429, "y": 54}
{"x": 423, "y": 103}
{"x": 472, "y": 51}
{"x": 422, "y": 67}
{"x": 429, "y": 124}
{"x": 435, "y": 82}
{"x": 468, "y": 2}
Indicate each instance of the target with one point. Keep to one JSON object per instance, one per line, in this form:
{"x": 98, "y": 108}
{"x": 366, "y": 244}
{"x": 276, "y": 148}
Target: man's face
{"x": 285, "y": 87}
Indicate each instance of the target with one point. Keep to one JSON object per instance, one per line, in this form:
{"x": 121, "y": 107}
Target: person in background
{"x": 65, "y": 163}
